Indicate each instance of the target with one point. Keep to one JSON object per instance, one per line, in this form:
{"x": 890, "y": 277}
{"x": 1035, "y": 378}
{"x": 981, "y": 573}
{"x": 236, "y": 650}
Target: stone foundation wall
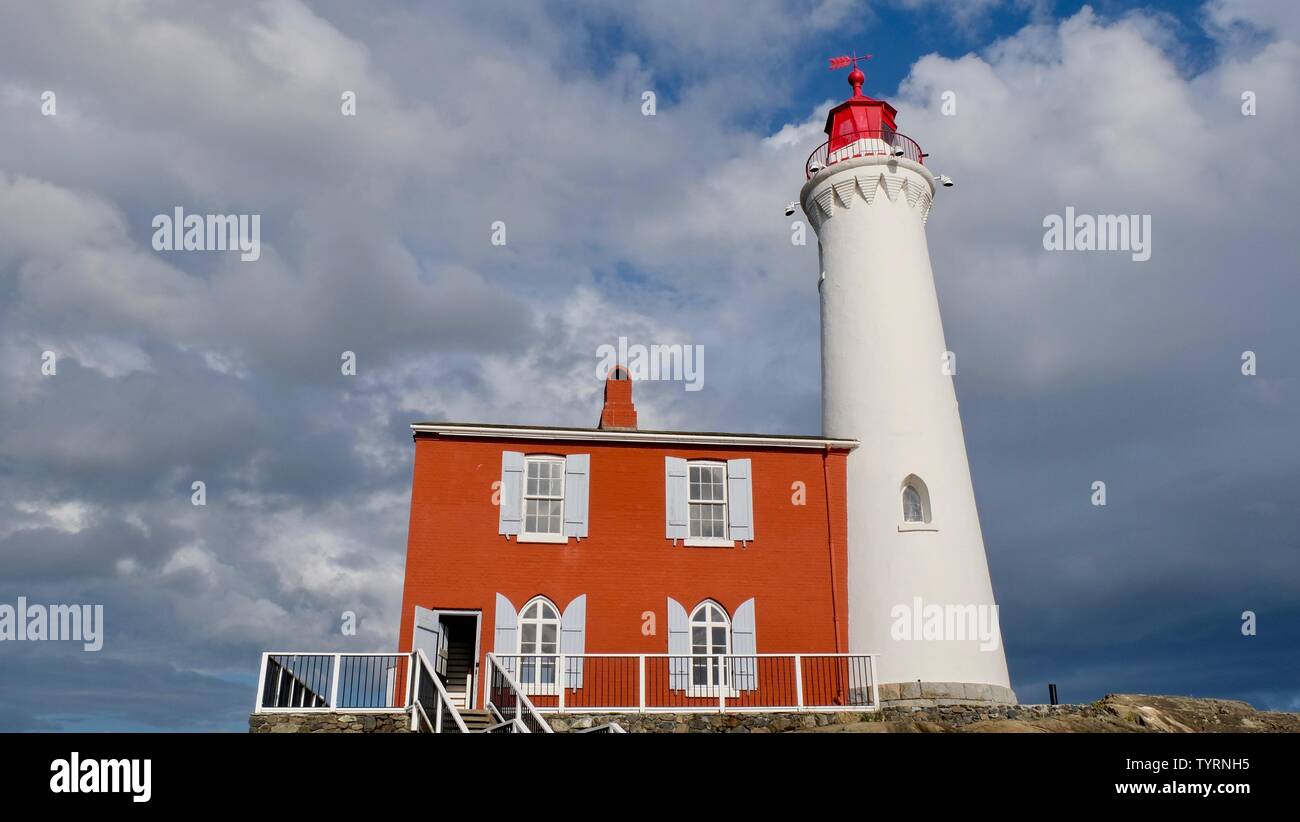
{"x": 398, "y": 722}
{"x": 934, "y": 694}
{"x": 948, "y": 715}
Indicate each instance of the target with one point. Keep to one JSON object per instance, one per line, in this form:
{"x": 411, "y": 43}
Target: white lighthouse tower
{"x": 919, "y": 587}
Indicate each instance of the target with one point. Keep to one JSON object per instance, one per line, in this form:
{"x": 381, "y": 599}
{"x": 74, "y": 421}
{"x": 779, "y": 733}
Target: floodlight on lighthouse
{"x": 814, "y": 167}
{"x": 898, "y": 151}
{"x": 945, "y": 181}
{"x": 790, "y": 208}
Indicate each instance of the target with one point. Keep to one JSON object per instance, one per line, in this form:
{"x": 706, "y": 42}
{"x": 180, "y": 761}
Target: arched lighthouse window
{"x": 912, "y": 505}
{"x": 916, "y": 501}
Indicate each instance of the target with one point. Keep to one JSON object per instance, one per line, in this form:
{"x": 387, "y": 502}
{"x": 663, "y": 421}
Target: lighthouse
{"x": 919, "y": 591}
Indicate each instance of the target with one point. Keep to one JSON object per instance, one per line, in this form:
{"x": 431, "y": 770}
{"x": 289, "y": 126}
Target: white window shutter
{"x": 740, "y": 500}
{"x": 511, "y": 514}
{"x": 679, "y": 646}
{"x": 430, "y": 638}
{"x": 677, "y": 507}
{"x": 577, "y": 483}
{"x": 744, "y": 647}
{"x": 573, "y": 632}
{"x": 507, "y": 633}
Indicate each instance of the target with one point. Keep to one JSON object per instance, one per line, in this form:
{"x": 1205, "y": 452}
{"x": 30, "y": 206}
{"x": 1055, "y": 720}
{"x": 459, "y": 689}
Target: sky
{"x": 376, "y": 229}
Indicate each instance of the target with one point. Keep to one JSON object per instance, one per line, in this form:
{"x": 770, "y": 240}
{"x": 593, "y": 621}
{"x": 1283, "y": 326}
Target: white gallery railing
{"x": 646, "y": 683}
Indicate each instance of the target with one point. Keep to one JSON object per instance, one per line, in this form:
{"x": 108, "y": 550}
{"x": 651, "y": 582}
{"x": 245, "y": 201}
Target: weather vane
{"x": 856, "y": 77}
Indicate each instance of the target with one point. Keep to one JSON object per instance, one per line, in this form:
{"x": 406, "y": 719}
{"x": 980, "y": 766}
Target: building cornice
{"x": 448, "y": 429}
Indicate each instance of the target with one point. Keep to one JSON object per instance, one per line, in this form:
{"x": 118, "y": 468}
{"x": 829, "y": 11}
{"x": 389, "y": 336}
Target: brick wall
{"x": 457, "y": 560}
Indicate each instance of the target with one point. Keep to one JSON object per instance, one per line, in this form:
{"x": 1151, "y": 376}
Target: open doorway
{"x": 450, "y": 639}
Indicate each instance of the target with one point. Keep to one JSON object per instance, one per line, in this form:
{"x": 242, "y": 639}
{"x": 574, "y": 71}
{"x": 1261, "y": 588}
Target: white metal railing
{"x": 514, "y": 726}
{"x": 294, "y": 682}
{"x": 667, "y": 683}
{"x": 324, "y": 682}
{"x": 507, "y": 700}
{"x": 520, "y": 688}
{"x": 430, "y": 697}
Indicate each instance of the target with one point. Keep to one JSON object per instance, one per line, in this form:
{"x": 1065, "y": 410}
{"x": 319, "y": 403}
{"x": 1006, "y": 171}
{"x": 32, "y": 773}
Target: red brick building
{"x": 701, "y": 552}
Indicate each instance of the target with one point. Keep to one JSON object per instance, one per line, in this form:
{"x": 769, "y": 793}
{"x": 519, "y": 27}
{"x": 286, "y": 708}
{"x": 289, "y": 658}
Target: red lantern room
{"x": 859, "y": 117}
{"x": 860, "y": 126}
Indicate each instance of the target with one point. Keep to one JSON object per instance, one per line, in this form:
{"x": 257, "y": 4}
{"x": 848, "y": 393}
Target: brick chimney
{"x": 619, "y": 413}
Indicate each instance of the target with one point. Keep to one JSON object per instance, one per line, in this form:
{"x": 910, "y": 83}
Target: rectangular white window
{"x": 544, "y": 497}
{"x": 708, "y": 501}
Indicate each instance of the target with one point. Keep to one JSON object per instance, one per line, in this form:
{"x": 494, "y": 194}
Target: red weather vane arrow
{"x": 856, "y": 77}
{"x": 846, "y": 61}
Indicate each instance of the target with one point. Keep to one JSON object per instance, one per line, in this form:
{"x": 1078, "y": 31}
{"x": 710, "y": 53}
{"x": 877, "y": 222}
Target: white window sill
{"x": 553, "y": 539}
{"x": 916, "y": 526}
{"x": 697, "y": 542}
{"x": 710, "y": 692}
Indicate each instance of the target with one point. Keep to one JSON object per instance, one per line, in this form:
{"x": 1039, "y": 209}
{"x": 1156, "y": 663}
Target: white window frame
{"x": 534, "y": 686}
{"x": 922, "y": 490}
{"x": 529, "y": 536}
{"x": 719, "y": 668}
{"x": 709, "y": 542}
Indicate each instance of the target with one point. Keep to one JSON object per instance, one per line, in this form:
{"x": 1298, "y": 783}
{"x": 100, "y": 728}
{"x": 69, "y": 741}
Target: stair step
{"x": 475, "y": 721}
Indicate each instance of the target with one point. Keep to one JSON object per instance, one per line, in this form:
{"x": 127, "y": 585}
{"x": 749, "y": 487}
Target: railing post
{"x": 875, "y": 695}
{"x": 410, "y": 680}
{"x": 798, "y": 681}
{"x": 722, "y": 685}
{"x": 415, "y": 673}
{"x": 518, "y": 694}
{"x": 559, "y": 678}
{"x": 641, "y": 683}
{"x": 261, "y": 684}
{"x": 334, "y": 682}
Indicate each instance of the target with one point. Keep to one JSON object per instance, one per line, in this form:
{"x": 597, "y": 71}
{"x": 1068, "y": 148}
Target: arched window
{"x": 912, "y": 511}
{"x": 710, "y": 637}
{"x": 539, "y": 642}
{"x": 916, "y": 501}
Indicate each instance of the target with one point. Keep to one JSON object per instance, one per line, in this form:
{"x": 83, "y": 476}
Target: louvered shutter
{"x": 573, "y": 631}
{"x": 676, "y": 502}
{"x": 577, "y": 483}
{"x": 740, "y": 500}
{"x": 507, "y": 634}
{"x": 511, "y": 517}
{"x": 679, "y": 646}
{"x": 744, "y": 646}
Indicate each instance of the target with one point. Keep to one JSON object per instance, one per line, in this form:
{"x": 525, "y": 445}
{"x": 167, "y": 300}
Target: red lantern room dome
{"x": 860, "y": 126}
